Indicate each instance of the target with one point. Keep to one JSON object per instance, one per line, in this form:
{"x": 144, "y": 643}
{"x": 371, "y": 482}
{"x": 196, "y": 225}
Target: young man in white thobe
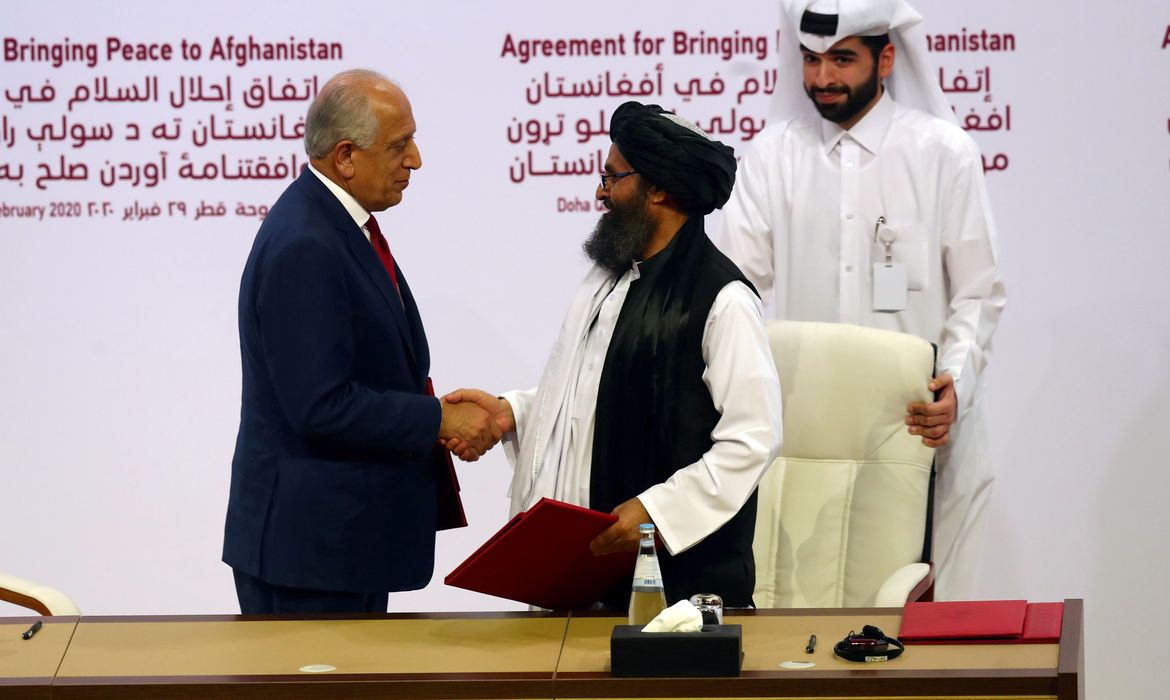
{"x": 865, "y": 203}
{"x": 660, "y": 401}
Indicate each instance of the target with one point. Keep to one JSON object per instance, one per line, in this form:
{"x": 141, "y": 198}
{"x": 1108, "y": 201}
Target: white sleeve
{"x": 746, "y": 232}
{"x": 741, "y": 376}
{"x": 521, "y": 403}
{"x": 975, "y": 288}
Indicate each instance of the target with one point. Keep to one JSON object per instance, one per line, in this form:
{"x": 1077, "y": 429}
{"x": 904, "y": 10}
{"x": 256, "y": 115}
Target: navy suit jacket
{"x": 333, "y": 478}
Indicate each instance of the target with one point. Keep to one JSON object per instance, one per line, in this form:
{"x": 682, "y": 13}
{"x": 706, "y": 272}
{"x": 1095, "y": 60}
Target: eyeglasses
{"x": 607, "y": 179}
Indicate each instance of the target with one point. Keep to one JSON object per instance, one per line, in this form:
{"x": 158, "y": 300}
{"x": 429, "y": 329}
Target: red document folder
{"x": 1042, "y": 623}
{"x": 969, "y": 621}
{"x": 542, "y": 558}
{"x": 449, "y": 506}
{"x": 981, "y": 622}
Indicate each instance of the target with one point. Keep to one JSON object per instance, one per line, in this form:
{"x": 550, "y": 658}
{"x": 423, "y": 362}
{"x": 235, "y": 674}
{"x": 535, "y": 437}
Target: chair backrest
{"x": 844, "y": 506}
{"x": 34, "y": 596}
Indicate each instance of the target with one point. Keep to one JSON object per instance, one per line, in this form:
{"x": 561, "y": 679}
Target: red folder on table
{"x": 1042, "y": 623}
{"x": 966, "y": 619}
{"x": 542, "y": 558}
{"x": 981, "y": 621}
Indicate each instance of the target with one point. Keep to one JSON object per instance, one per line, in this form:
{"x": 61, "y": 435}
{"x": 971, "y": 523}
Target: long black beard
{"x": 620, "y": 236}
{"x": 855, "y": 100}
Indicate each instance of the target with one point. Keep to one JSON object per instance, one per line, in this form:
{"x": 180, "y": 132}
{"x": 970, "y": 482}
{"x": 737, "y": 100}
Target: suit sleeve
{"x": 305, "y": 323}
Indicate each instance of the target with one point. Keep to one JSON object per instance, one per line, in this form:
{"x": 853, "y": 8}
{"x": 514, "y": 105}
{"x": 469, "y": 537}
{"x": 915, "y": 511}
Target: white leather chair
{"x": 34, "y": 596}
{"x": 843, "y": 511}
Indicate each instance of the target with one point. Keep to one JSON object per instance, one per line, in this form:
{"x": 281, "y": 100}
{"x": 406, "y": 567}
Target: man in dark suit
{"x": 333, "y": 488}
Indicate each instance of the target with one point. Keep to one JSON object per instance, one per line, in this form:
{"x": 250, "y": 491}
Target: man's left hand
{"x": 623, "y": 535}
{"x": 933, "y": 421}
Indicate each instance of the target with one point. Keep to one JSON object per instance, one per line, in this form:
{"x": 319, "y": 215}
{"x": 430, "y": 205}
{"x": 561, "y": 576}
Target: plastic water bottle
{"x": 648, "y": 597}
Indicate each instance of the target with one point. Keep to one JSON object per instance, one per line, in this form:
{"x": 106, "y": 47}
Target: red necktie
{"x": 382, "y": 248}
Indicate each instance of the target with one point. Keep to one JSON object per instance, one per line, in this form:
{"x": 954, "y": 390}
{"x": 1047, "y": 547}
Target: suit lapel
{"x": 365, "y": 257}
{"x": 422, "y": 353}
{"x": 368, "y": 260}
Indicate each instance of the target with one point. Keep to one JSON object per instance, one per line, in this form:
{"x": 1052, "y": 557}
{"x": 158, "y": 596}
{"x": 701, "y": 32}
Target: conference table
{"x": 499, "y": 655}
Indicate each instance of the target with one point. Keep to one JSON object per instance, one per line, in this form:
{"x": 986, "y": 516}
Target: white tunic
{"x": 552, "y": 448}
{"x": 801, "y": 225}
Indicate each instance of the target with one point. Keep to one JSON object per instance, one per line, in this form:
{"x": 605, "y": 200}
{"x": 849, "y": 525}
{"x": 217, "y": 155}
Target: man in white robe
{"x": 867, "y": 205}
{"x": 660, "y": 401}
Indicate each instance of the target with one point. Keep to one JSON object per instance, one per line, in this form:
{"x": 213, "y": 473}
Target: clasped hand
{"x": 488, "y": 416}
{"x": 933, "y": 420}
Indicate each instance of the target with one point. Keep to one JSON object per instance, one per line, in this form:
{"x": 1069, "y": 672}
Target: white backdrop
{"x": 119, "y": 368}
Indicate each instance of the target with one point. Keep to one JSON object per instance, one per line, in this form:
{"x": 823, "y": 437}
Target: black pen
{"x": 812, "y": 644}
{"x": 28, "y": 633}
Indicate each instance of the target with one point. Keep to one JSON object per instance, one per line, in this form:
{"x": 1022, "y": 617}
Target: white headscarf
{"x": 914, "y": 81}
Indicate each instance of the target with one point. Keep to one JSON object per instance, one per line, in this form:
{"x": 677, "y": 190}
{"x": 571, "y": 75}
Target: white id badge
{"x": 889, "y": 286}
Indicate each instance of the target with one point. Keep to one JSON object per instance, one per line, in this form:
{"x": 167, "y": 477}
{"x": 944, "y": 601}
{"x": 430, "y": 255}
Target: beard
{"x": 856, "y": 99}
{"x": 620, "y": 236}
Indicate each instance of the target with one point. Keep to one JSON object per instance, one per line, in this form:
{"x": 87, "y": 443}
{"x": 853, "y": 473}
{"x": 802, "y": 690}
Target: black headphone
{"x": 869, "y": 646}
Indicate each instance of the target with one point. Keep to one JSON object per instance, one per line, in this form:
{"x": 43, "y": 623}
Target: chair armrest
{"x": 924, "y": 591}
{"x": 897, "y": 589}
{"x": 34, "y": 596}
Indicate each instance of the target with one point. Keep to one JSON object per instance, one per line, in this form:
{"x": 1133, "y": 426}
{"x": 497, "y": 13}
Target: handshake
{"x": 473, "y": 422}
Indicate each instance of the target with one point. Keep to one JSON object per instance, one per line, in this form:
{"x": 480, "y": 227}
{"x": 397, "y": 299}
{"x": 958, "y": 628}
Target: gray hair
{"x": 342, "y": 111}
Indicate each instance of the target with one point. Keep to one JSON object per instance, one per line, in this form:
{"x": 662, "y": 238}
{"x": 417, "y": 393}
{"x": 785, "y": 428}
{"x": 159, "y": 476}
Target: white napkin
{"x": 683, "y": 616}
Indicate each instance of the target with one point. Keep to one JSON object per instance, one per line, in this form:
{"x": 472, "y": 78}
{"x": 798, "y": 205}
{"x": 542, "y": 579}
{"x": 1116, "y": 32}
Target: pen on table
{"x": 812, "y": 644}
{"x": 28, "y": 633}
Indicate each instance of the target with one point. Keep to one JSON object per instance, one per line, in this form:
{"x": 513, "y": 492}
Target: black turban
{"x": 693, "y": 168}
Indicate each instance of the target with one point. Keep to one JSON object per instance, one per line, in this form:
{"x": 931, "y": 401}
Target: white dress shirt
{"x": 555, "y": 422}
{"x": 800, "y": 224}
{"x": 359, "y": 214}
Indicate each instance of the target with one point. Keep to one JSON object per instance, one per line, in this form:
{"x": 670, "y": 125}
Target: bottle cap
{"x": 710, "y": 606}
{"x": 646, "y": 527}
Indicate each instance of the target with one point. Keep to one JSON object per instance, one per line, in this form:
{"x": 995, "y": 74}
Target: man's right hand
{"x": 470, "y": 425}
{"x": 499, "y": 410}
